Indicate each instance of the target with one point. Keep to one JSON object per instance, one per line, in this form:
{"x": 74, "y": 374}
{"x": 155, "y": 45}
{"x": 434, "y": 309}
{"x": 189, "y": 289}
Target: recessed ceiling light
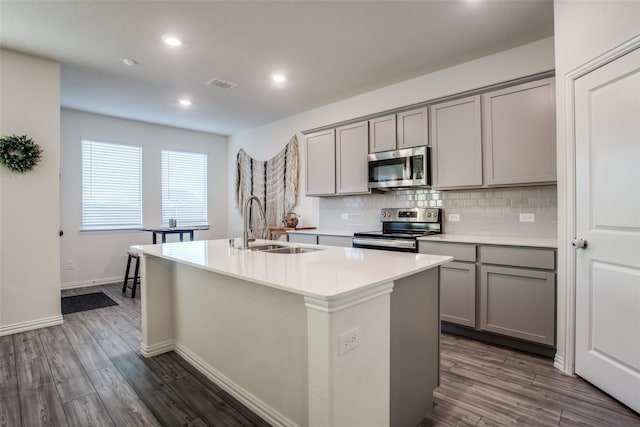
{"x": 130, "y": 62}
{"x": 172, "y": 40}
{"x": 278, "y": 78}
{"x": 184, "y": 102}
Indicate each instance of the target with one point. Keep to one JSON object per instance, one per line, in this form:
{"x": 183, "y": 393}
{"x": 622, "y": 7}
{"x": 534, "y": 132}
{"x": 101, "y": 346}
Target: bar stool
{"x": 136, "y": 256}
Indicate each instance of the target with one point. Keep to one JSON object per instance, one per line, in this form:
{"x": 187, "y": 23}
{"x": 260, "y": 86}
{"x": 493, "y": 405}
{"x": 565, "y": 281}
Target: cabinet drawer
{"x": 459, "y": 252}
{"x": 303, "y": 238}
{"x": 518, "y": 257}
{"x": 343, "y": 241}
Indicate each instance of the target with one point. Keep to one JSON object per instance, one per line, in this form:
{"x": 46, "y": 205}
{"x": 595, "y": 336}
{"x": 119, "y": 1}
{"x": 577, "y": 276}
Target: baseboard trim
{"x": 558, "y": 362}
{"x": 95, "y": 282}
{"x": 157, "y": 349}
{"x": 256, "y": 405}
{"x": 31, "y": 325}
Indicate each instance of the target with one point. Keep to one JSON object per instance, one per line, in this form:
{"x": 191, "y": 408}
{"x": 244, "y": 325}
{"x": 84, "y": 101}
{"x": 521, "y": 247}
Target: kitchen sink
{"x": 267, "y": 247}
{"x": 292, "y": 250}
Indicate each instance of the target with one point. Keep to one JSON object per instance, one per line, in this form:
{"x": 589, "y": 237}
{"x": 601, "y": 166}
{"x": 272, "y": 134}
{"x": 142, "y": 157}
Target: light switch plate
{"x": 344, "y": 216}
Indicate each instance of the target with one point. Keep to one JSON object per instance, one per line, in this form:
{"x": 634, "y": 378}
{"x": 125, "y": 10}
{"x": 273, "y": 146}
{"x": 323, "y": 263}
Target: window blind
{"x": 111, "y": 186}
{"x": 184, "y": 187}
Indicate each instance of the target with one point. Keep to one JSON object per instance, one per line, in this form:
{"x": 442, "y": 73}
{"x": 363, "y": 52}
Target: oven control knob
{"x": 428, "y": 214}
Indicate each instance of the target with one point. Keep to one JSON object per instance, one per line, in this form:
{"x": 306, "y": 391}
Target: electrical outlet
{"x": 344, "y": 216}
{"x": 454, "y": 217}
{"x": 70, "y": 265}
{"x": 527, "y": 217}
{"x": 348, "y": 340}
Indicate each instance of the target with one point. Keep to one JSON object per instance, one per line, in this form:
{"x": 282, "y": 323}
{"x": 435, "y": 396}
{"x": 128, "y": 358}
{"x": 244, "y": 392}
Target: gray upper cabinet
{"x": 519, "y": 134}
{"x": 351, "y": 161}
{"x": 321, "y": 163}
{"x": 398, "y": 131}
{"x": 413, "y": 128}
{"x": 382, "y": 134}
{"x": 456, "y": 143}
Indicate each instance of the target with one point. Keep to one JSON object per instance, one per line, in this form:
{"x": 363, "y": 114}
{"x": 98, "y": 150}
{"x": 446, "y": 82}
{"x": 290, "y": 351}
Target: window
{"x": 184, "y": 187}
{"x": 111, "y": 186}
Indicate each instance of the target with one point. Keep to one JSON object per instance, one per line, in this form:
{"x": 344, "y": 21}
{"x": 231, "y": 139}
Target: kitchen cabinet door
{"x": 352, "y": 173}
{"x": 456, "y": 143}
{"x": 519, "y": 134}
{"x": 382, "y": 134}
{"x": 458, "y": 293}
{"x": 321, "y": 163}
{"x": 413, "y": 128}
{"x": 518, "y": 302}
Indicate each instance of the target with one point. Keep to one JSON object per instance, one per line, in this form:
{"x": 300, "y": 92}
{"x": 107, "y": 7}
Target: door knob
{"x": 578, "y": 243}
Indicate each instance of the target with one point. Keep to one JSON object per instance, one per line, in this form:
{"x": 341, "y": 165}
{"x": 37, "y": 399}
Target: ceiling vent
{"x": 221, "y": 83}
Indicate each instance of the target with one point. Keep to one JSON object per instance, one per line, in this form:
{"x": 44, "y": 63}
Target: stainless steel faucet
{"x": 245, "y": 220}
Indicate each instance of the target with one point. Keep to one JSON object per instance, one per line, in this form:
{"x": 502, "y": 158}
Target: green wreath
{"x": 19, "y": 153}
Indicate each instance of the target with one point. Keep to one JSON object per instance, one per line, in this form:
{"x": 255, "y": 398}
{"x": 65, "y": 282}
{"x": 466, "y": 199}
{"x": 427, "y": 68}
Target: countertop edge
{"x": 329, "y": 298}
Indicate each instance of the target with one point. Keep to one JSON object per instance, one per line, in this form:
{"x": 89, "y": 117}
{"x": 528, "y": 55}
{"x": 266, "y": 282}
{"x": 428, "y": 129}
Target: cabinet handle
{"x": 578, "y": 243}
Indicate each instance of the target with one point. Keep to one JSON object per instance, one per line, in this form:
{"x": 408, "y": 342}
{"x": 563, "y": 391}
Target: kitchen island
{"x": 332, "y": 337}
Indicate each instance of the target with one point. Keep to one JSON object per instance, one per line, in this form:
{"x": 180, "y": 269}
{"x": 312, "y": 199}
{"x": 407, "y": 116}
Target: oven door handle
{"x": 385, "y": 243}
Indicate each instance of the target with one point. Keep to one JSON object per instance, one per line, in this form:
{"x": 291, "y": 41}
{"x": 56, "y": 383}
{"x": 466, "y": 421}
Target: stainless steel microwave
{"x": 393, "y": 170}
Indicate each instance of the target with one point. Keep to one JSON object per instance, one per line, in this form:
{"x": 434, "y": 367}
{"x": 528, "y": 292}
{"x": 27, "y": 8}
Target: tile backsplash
{"x": 486, "y": 212}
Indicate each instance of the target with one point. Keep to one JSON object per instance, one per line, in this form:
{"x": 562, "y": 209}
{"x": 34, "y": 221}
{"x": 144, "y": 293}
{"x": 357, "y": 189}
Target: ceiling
{"x": 329, "y": 50}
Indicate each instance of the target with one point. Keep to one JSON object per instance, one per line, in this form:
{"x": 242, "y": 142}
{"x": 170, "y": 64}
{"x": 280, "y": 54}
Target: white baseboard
{"x": 558, "y": 362}
{"x": 156, "y": 349}
{"x": 256, "y": 405}
{"x": 95, "y": 282}
{"x": 30, "y": 325}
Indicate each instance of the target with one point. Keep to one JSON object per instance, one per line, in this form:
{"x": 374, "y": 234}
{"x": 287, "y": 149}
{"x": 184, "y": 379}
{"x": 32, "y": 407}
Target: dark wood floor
{"x": 88, "y": 372}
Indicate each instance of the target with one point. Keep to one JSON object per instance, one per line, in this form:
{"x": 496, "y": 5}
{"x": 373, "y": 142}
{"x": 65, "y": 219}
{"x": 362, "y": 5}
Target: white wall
{"x": 265, "y": 141}
{"x": 100, "y": 256}
{"x": 583, "y": 31}
{"x": 29, "y": 202}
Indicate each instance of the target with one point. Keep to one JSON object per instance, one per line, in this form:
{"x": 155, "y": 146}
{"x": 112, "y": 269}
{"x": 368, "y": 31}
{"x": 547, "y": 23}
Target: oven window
{"x": 387, "y": 170}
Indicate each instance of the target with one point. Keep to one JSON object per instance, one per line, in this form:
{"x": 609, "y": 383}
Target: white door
{"x": 607, "y": 117}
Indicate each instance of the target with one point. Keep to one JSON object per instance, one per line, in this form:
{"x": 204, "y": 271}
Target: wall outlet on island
{"x": 70, "y": 265}
{"x": 527, "y": 217}
{"x": 348, "y": 340}
{"x": 454, "y": 217}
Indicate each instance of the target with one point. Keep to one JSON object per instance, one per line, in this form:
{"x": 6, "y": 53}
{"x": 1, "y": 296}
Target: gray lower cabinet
{"x": 311, "y": 239}
{"x": 321, "y": 239}
{"x": 458, "y": 293}
{"x": 518, "y": 302}
{"x": 457, "y": 281}
{"x": 330, "y": 240}
{"x": 514, "y": 294}
{"x": 518, "y": 292}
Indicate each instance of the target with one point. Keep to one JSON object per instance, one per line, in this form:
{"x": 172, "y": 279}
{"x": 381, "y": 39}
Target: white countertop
{"x": 326, "y": 274}
{"x": 493, "y": 240}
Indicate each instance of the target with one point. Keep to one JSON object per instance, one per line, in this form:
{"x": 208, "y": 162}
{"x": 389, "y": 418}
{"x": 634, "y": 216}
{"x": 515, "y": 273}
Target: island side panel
{"x": 349, "y": 389}
{"x": 415, "y": 346}
{"x": 157, "y": 305}
{"x": 248, "y": 338}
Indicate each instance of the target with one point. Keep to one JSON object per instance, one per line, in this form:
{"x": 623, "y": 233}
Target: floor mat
{"x": 76, "y": 303}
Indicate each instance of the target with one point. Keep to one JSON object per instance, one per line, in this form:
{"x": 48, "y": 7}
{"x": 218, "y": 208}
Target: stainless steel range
{"x": 401, "y": 228}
